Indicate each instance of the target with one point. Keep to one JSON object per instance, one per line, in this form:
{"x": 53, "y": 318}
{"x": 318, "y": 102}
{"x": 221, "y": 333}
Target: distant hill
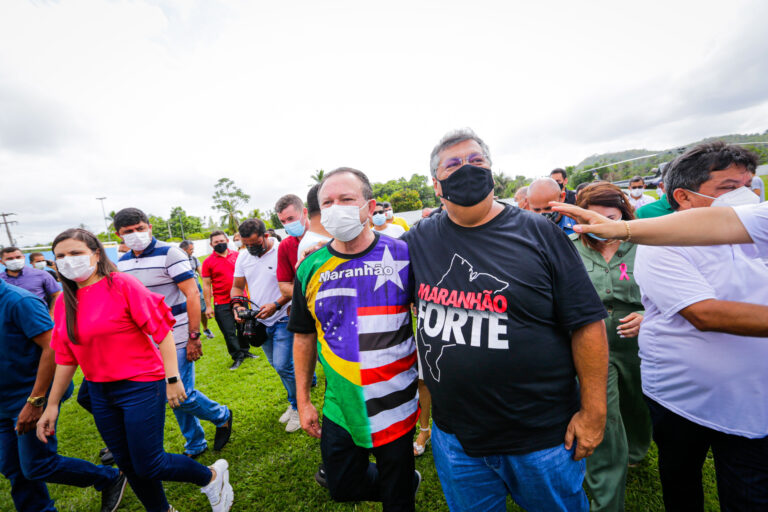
{"x": 644, "y": 166}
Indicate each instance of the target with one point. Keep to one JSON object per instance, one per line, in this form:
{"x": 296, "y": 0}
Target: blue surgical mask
{"x": 379, "y": 219}
{"x": 592, "y": 235}
{"x": 295, "y": 228}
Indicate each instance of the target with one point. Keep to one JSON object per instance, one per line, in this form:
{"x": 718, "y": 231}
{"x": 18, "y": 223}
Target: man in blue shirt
{"x": 26, "y": 372}
{"x": 540, "y": 193}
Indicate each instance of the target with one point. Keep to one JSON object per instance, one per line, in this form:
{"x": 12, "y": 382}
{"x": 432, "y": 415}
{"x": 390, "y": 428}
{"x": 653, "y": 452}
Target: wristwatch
{"x": 173, "y": 380}
{"x": 194, "y": 336}
{"x": 278, "y": 305}
{"x": 36, "y": 401}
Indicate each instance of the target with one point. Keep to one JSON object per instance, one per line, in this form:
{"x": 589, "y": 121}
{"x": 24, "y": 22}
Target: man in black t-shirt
{"x": 561, "y": 177}
{"x": 507, "y": 320}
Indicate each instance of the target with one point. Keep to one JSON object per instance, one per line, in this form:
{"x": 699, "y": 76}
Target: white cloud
{"x": 150, "y": 102}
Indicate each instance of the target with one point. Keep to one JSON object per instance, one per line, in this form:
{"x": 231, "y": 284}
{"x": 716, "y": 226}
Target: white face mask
{"x": 637, "y": 193}
{"x": 738, "y": 197}
{"x": 16, "y": 265}
{"x": 389, "y": 215}
{"x": 342, "y": 222}
{"x": 238, "y": 244}
{"x": 39, "y": 265}
{"x": 76, "y": 268}
{"x": 138, "y": 240}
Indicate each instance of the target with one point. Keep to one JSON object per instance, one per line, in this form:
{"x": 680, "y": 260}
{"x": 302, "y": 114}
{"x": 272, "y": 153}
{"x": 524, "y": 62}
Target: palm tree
{"x": 318, "y": 176}
{"x": 500, "y": 181}
{"x": 230, "y": 217}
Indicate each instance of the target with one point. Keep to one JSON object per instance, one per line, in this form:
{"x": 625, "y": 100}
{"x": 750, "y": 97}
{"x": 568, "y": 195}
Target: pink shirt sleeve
{"x": 59, "y": 337}
{"x": 148, "y": 310}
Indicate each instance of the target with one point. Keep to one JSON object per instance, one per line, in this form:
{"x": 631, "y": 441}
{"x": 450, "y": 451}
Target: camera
{"x": 250, "y": 330}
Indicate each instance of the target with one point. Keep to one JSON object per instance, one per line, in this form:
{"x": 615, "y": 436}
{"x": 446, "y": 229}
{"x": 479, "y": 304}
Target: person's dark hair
{"x": 184, "y": 244}
{"x": 252, "y": 227}
{"x": 289, "y": 200}
{"x": 694, "y": 167}
{"x": 386, "y": 204}
{"x": 635, "y": 179}
{"x": 8, "y": 250}
{"x": 273, "y": 234}
{"x": 34, "y": 255}
{"x": 603, "y": 194}
{"x": 580, "y": 187}
{"x": 559, "y": 171}
{"x": 129, "y": 217}
{"x": 217, "y": 233}
{"x": 360, "y": 175}
{"x": 69, "y": 288}
{"x": 313, "y": 205}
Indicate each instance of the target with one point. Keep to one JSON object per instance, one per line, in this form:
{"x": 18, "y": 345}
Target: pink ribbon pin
{"x": 624, "y": 275}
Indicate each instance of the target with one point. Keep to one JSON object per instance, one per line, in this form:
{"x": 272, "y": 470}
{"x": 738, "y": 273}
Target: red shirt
{"x": 287, "y": 255}
{"x": 221, "y": 270}
{"x": 114, "y": 324}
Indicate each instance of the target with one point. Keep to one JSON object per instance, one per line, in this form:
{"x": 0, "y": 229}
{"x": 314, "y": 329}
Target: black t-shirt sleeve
{"x": 301, "y": 320}
{"x": 576, "y": 301}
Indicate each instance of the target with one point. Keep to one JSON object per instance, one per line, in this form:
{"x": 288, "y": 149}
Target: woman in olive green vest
{"x": 610, "y": 265}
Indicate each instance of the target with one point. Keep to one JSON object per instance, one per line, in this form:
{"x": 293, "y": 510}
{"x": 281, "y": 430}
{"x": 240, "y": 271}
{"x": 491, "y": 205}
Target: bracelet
{"x": 629, "y": 233}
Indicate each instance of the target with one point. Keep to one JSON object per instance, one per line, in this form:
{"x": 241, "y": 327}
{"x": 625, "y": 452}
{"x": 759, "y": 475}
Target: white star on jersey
{"x": 390, "y": 269}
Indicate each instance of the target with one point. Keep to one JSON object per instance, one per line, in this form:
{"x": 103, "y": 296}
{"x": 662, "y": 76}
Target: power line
{"x": 8, "y": 223}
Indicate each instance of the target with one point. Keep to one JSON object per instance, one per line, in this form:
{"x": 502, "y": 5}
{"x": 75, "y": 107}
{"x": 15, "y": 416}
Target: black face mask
{"x": 467, "y": 185}
{"x": 553, "y": 216}
{"x": 220, "y": 248}
{"x": 562, "y": 185}
{"x": 256, "y": 250}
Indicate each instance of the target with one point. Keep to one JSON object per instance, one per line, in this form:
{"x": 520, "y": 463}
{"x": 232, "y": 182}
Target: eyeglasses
{"x": 476, "y": 159}
{"x": 637, "y": 187}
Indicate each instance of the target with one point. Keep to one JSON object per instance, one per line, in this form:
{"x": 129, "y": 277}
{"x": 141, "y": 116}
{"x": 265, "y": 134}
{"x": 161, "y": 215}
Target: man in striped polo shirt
{"x": 351, "y": 304}
{"x": 165, "y": 270}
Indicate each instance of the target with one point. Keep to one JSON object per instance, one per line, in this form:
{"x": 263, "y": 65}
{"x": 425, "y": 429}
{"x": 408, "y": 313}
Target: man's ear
{"x": 436, "y": 186}
{"x": 683, "y": 197}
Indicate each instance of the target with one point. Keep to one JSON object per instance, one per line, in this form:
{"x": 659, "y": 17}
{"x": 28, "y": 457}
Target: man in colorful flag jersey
{"x": 351, "y": 305}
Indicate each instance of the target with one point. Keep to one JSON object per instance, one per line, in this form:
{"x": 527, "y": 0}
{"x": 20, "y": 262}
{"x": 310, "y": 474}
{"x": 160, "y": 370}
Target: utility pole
{"x": 168, "y": 223}
{"x": 181, "y": 224}
{"x": 104, "y": 213}
{"x": 7, "y": 223}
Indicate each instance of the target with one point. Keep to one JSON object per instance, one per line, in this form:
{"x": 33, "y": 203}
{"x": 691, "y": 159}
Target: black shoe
{"x": 196, "y": 455}
{"x": 222, "y": 434}
{"x": 106, "y": 457}
{"x": 320, "y": 477}
{"x": 248, "y": 355}
{"x": 112, "y": 494}
{"x": 236, "y": 364}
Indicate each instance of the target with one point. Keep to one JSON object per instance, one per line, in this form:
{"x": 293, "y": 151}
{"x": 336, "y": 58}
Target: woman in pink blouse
{"x": 120, "y": 334}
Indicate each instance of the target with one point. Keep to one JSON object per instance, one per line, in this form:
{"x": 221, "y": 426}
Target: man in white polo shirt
{"x": 256, "y": 268}
{"x": 703, "y": 346}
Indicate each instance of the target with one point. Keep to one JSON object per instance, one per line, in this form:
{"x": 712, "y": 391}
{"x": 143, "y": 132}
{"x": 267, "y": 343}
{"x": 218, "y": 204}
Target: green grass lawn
{"x": 270, "y": 469}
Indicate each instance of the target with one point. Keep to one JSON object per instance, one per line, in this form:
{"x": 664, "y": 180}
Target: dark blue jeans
{"x": 130, "y": 417}
{"x": 29, "y": 464}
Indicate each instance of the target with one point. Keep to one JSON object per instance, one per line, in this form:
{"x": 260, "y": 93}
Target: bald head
{"x": 521, "y": 198}
{"x": 541, "y": 192}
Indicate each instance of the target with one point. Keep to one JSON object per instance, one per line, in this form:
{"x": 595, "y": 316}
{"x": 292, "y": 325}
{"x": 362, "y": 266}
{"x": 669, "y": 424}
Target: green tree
{"x": 228, "y": 198}
{"x": 256, "y": 214}
{"x": 182, "y": 224}
{"x": 318, "y": 176}
{"x": 405, "y": 201}
{"x": 273, "y": 220}
{"x": 159, "y": 227}
{"x": 500, "y": 183}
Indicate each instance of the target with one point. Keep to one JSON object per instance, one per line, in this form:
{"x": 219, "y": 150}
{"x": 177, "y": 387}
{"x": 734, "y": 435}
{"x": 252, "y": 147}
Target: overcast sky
{"x": 149, "y": 103}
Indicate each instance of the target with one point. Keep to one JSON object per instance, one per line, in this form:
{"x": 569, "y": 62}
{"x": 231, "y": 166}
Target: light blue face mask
{"x": 596, "y": 237}
{"x": 295, "y": 228}
{"x": 379, "y": 219}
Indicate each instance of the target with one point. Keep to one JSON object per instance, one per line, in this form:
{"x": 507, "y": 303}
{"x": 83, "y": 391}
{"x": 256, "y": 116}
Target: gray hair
{"x": 449, "y": 140}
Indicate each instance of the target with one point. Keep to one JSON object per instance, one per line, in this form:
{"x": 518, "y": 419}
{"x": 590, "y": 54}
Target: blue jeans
{"x": 546, "y": 480}
{"x": 196, "y": 407}
{"x": 29, "y": 464}
{"x": 279, "y": 351}
{"x": 130, "y": 417}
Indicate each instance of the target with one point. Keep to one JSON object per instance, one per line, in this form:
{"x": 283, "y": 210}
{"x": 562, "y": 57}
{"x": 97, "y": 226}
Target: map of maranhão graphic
{"x": 474, "y": 297}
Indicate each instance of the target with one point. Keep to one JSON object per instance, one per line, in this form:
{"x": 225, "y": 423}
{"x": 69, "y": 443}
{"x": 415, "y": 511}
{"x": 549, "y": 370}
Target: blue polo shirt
{"x": 566, "y": 224}
{"x": 22, "y": 317}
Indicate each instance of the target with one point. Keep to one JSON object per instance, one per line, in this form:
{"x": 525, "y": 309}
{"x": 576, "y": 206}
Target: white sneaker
{"x": 294, "y": 423}
{"x": 219, "y": 492}
{"x": 286, "y": 415}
